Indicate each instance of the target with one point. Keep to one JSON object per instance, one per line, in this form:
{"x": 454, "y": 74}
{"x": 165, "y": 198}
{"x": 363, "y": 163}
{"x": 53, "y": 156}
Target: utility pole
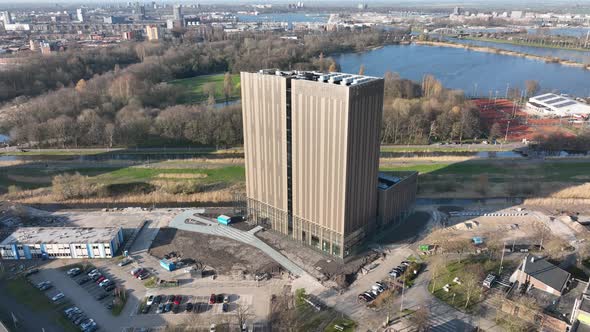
{"x": 507, "y": 88}
{"x": 401, "y": 306}
{"x": 502, "y": 259}
{"x": 507, "y": 128}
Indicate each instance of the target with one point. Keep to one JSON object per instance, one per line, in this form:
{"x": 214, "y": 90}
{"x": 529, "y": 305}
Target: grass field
{"x": 37, "y": 301}
{"x": 192, "y": 88}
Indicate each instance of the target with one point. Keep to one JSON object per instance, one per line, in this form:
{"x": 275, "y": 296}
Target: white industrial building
{"x": 61, "y": 242}
{"x": 553, "y": 105}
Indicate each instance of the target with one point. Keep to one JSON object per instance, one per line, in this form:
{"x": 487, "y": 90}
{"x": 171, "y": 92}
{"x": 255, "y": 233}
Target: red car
{"x": 177, "y": 299}
{"x": 101, "y": 279}
{"x": 139, "y": 272}
{"x": 212, "y": 299}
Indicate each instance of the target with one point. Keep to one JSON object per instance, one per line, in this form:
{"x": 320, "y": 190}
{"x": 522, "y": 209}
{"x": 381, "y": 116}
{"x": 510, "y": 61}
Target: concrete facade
{"x": 397, "y": 194}
{"x": 311, "y": 145}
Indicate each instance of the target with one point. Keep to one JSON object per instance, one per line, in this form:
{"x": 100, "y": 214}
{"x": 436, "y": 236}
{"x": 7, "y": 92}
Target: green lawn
{"x": 192, "y": 88}
{"x": 443, "y": 148}
{"x": 37, "y": 301}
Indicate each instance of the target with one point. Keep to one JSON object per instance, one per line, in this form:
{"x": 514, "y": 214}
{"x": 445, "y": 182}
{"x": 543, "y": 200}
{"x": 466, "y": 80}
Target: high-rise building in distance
{"x": 311, "y": 144}
{"x": 80, "y": 14}
{"x": 177, "y": 12}
{"x": 5, "y": 17}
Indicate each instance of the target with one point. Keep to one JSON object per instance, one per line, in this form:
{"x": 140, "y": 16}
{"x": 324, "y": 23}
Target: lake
{"x": 474, "y": 72}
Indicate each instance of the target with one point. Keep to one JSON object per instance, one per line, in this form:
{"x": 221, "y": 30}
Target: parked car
{"x": 219, "y": 298}
{"x": 189, "y": 307}
{"x": 171, "y": 298}
{"x": 83, "y": 280}
{"x": 144, "y": 275}
{"x": 212, "y": 299}
{"x": 96, "y": 277}
{"x": 44, "y": 285}
{"x": 58, "y": 297}
{"x": 212, "y": 328}
{"x": 160, "y": 308}
{"x": 110, "y": 287}
{"x": 101, "y": 296}
{"x": 80, "y": 319}
{"x": 146, "y": 309}
{"x": 135, "y": 271}
{"x": 139, "y": 272}
{"x": 224, "y": 307}
{"x": 158, "y": 299}
{"x": 168, "y": 307}
{"x": 74, "y": 272}
{"x": 150, "y": 300}
{"x": 406, "y": 263}
{"x": 124, "y": 262}
{"x": 226, "y": 299}
{"x": 31, "y": 272}
{"x": 87, "y": 323}
{"x": 105, "y": 282}
{"x": 99, "y": 280}
{"x": 177, "y": 299}
{"x": 93, "y": 272}
{"x": 377, "y": 288}
{"x": 369, "y": 295}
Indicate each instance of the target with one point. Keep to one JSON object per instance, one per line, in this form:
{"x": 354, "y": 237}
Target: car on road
{"x": 74, "y": 272}
{"x": 58, "y": 297}
{"x": 101, "y": 296}
{"x": 124, "y": 262}
{"x": 150, "y": 300}
{"x": 189, "y": 307}
{"x": 160, "y": 308}
{"x": 212, "y": 299}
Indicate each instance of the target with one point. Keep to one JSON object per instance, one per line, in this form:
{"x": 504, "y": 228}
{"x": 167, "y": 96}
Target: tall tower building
{"x": 177, "y": 12}
{"x": 80, "y": 14}
{"x": 5, "y": 17}
{"x": 311, "y": 144}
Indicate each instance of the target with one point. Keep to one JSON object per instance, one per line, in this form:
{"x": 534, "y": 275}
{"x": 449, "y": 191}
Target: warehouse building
{"x": 397, "y": 194}
{"x": 553, "y": 105}
{"x": 61, "y": 242}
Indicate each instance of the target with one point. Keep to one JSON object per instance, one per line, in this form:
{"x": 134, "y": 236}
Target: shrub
{"x": 68, "y": 186}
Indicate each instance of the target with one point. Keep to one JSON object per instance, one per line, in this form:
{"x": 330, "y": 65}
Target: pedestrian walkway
{"x": 207, "y": 226}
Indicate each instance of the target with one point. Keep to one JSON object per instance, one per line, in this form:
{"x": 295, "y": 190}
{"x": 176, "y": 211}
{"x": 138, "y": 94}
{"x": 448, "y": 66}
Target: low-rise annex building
{"x": 61, "y": 242}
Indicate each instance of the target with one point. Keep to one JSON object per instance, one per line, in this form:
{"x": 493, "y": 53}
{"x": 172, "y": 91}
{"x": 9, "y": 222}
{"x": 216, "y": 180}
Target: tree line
{"x": 133, "y": 105}
{"x": 424, "y": 113}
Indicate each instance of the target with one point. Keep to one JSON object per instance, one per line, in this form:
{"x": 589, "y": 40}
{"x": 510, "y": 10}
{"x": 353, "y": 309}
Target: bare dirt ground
{"x": 225, "y": 256}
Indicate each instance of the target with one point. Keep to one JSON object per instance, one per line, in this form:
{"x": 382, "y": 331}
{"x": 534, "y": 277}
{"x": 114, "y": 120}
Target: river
{"x": 476, "y": 73}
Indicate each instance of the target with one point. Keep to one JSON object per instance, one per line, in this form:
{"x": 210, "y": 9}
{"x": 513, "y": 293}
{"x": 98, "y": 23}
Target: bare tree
{"x": 243, "y": 313}
{"x": 531, "y": 87}
{"x": 437, "y": 267}
{"x": 471, "y": 283}
{"x": 228, "y": 86}
{"x": 421, "y": 319}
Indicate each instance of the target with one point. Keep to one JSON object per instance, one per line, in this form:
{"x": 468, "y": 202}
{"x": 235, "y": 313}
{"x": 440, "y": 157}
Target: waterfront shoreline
{"x": 486, "y": 49}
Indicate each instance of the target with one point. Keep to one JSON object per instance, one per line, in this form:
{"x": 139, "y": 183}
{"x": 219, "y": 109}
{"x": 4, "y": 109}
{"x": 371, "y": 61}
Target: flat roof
{"x": 386, "y": 180}
{"x": 61, "y": 235}
{"x": 328, "y": 78}
{"x": 560, "y": 103}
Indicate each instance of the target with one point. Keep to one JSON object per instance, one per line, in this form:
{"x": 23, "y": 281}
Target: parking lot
{"x": 197, "y": 304}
